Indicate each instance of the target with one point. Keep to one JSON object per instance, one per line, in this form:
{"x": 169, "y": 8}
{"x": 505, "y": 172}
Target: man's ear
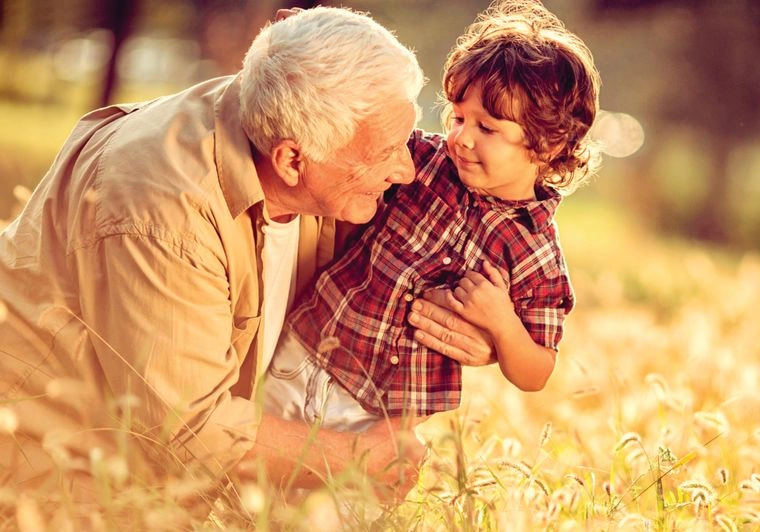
{"x": 287, "y": 161}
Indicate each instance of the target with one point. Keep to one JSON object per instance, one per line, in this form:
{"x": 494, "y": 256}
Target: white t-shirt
{"x": 280, "y": 257}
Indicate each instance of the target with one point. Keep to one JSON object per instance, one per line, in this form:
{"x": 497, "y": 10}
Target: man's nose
{"x": 403, "y": 172}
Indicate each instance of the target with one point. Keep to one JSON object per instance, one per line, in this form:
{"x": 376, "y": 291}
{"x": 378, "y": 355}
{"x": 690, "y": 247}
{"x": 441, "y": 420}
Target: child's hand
{"x": 483, "y": 299}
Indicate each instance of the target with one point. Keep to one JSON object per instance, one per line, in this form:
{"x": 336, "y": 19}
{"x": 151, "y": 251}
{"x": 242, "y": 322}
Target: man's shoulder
{"x": 423, "y": 142}
{"x": 155, "y": 167}
{"x": 165, "y": 147}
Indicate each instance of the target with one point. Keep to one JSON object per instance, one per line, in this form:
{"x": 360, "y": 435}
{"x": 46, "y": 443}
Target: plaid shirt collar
{"x": 534, "y": 214}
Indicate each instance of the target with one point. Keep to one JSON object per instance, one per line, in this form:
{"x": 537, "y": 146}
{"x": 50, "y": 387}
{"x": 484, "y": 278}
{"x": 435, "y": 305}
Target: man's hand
{"x": 282, "y": 14}
{"x": 394, "y": 455}
{"x": 441, "y": 329}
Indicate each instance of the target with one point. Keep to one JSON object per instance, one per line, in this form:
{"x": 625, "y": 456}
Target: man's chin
{"x": 362, "y": 216}
{"x": 359, "y": 220}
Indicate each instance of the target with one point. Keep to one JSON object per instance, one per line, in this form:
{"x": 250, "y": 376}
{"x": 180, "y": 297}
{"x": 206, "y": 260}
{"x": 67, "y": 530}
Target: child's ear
{"x": 287, "y": 160}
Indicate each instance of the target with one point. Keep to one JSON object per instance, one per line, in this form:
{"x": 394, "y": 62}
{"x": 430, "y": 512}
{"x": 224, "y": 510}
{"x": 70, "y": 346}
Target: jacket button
{"x": 394, "y": 360}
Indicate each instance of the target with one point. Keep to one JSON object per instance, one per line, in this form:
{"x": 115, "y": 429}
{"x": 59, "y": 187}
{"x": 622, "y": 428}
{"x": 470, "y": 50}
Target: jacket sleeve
{"x": 159, "y": 316}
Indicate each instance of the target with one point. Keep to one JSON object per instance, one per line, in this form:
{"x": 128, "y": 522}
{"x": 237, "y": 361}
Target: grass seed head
{"x": 252, "y": 498}
{"x": 328, "y": 344}
{"x": 22, "y": 194}
{"x": 8, "y": 420}
{"x": 712, "y": 421}
{"x": 626, "y": 439}
{"x": 725, "y": 523}
{"x": 28, "y": 515}
{"x": 546, "y": 434}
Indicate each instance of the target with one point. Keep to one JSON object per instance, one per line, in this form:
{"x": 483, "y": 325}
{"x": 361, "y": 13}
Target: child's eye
{"x": 486, "y": 129}
{"x": 458, "y": 120}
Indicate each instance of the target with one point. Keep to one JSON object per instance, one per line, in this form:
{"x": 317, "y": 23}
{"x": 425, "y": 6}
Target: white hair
{"x": 314, "y": 76}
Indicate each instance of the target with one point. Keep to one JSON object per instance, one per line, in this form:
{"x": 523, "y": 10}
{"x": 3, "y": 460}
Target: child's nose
{"x": 464, "y": 139}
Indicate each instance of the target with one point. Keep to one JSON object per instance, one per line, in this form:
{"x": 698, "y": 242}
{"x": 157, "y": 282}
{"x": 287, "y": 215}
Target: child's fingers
{"x": 454, "y": 302}
{"x": 498, "y": 276}
{"x": 474, "y": 277}
{"x": 468, "y": 284}
{"x": 460, "y": 294}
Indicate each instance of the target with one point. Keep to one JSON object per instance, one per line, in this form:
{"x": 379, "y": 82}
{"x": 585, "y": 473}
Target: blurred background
{"x": 680, "y": 95}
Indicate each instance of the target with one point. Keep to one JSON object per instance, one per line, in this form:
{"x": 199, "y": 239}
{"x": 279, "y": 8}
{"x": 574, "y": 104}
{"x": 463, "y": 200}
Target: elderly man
{"x": 145, "y": 284}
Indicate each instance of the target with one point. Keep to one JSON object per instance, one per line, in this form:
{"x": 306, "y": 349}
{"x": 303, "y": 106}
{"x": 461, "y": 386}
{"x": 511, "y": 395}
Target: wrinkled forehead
{"x": 385, "y": 130}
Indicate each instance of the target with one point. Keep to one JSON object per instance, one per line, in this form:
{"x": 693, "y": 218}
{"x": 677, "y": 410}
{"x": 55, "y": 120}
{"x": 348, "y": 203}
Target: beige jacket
{"x": 132, "y": 285}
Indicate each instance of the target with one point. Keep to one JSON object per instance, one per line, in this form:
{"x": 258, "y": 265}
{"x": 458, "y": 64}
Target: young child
{"x": 522, "y": 93}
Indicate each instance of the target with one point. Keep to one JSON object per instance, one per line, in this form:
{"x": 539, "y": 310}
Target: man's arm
{"x": 161, "y": 324}
{"x": 296, "y": 455}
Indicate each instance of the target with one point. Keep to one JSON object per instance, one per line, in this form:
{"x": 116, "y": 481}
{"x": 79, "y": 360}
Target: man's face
{"x": 349, "y": 185}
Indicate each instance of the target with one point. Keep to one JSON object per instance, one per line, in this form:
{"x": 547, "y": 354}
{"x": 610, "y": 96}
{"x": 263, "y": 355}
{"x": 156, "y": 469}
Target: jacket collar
{"x": 234, "y": 161}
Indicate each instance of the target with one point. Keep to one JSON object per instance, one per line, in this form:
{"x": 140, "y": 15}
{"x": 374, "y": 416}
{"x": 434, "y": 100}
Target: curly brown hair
{"x": 535, "y": 72}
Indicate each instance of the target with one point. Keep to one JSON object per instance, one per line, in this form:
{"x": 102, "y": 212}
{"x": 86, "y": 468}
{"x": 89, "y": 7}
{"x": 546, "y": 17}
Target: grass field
{"x": 649, "y": 422}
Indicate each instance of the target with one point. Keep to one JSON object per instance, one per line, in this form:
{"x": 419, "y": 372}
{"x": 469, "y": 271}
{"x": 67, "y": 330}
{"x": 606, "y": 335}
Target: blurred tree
{"x": 711, "y": 88}
{"x": 225, "y": 28}
{"x": 720, "y": 94}
{"x": 117, "y": 16}
{"x": 605, "y": 5}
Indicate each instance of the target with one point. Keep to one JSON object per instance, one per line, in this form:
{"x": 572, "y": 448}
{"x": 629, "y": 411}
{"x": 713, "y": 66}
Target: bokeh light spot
{"x": 620, "y": 134}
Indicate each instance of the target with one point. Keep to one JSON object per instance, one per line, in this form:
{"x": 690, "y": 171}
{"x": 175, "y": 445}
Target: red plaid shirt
{"x": 354, "y": 321}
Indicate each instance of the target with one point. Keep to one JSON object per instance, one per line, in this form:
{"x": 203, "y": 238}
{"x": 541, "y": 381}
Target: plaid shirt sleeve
{"x": 541, "y": 289}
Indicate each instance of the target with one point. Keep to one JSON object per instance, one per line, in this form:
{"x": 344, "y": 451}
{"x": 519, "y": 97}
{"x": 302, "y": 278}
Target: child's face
{"x": 490, "y": 153}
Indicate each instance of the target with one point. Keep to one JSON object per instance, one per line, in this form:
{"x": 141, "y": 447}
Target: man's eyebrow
{"x": 389, "y": 150}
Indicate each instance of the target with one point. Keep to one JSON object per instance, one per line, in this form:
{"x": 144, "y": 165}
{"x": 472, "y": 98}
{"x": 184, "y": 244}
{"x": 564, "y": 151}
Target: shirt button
{"x": 408, "y": 298}
{"x": 446, "y": 260}
{"x": 394, "y": 360}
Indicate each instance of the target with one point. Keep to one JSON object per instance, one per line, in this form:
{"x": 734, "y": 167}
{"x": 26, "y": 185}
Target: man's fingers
{"x": 439, "y": 328}
{"x": 437, "y": 296}
{"x": 282, "y": 14}
{"x": 472, "y": 353}
{"x": 444, "y": 348}
{"x": 462, "y": 348}
{"x": 431, "y": 321}
{"x": 438, "y": 309}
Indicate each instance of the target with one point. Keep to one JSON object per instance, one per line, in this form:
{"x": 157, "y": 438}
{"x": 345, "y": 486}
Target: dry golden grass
{"x": 649, "y": 422}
